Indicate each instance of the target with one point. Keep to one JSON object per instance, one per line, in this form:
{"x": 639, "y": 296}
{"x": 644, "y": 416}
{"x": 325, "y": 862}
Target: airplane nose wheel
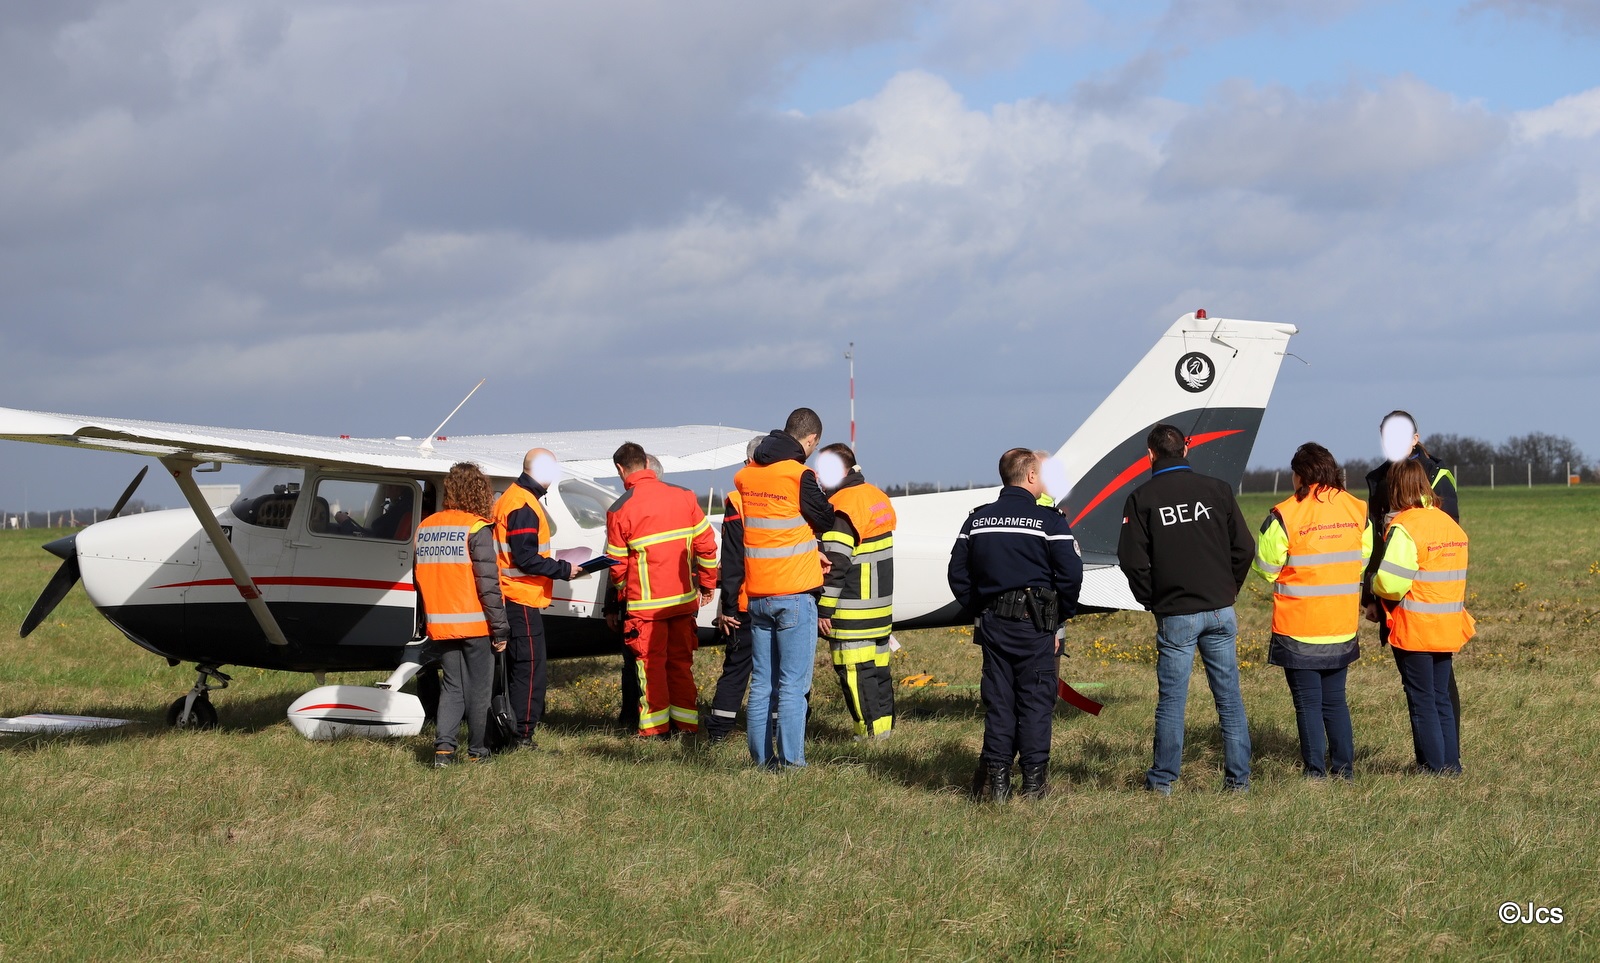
{"x": 194, "y": 710}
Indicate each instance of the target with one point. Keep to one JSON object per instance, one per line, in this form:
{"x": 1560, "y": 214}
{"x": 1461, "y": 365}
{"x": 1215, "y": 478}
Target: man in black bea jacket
{"x": 1186, "y": 550}
{"x": 1017, "y": 569}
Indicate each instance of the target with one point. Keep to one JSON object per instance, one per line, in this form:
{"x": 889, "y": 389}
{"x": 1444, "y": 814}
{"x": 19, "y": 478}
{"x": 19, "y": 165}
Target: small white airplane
{"x": 309, "y": 569}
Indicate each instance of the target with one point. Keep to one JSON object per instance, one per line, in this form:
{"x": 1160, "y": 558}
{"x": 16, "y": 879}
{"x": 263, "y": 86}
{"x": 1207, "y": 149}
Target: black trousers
{"x": 1455, "y": 694}
{"x": 527, "y": 668}
{"x": 628, "y": 716}
{"x": 1019, "y": 690}
{"x": 738, "y": 655}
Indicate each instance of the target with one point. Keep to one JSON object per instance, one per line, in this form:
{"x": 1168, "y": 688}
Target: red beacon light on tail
{"x": 1200, "y": 315}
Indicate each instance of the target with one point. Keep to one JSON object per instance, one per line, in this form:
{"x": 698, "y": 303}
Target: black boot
{"x": 999, "y": 783}
{"x": 1034, "y": 785}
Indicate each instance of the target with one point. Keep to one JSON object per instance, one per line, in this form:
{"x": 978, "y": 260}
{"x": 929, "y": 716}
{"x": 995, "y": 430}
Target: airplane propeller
{"x": 67, "y": 575}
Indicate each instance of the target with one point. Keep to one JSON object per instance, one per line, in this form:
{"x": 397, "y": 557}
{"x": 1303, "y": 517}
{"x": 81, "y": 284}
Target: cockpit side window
{"x": 359, "y": 508}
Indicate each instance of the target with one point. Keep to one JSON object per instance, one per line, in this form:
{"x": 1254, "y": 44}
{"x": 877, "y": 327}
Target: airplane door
{"x": 352, "y": 562}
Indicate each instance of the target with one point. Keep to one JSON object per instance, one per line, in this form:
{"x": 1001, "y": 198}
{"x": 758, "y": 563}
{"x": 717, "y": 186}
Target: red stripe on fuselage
{"x": 335, "y": 705}
{"x": 1140, "y": 467}
{"x": 376, "y": 585}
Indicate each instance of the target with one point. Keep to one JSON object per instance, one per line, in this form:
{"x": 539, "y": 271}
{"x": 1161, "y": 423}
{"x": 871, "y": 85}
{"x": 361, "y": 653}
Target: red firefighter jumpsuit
{"x": 667, "y": 558}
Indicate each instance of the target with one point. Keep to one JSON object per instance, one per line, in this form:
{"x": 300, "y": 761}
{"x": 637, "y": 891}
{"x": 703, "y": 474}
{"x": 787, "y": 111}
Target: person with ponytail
{"x": 1423, "y": 577}
{"x": 1313, "y": 548}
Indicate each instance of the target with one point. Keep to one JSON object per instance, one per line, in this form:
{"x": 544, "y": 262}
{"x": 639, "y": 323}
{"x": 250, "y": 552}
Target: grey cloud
{"x": 1138, "y": 77}
{"x": 1361, "y": 148}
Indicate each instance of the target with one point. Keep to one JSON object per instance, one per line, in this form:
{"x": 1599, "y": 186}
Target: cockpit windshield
{"x": 268, "y": 500}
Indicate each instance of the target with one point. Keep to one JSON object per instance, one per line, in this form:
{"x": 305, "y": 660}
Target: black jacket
{"x": 523, "y": 537}
{"x": 1185, "y": 547}
{"x": 1011, "y": 543}
{"x": 730, "y": 574}
{"x": 814, "y": 505}
{"x": 1378, "y": 509}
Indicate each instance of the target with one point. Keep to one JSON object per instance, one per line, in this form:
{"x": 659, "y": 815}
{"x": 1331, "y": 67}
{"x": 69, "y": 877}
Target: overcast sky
{"x": 335, "y": 218}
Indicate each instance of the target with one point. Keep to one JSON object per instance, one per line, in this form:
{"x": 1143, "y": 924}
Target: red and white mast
{"x": 850, "y": 356}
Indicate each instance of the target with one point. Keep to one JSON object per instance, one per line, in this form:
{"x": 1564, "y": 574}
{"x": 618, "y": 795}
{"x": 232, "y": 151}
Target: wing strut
{"x": 182, "y": 472}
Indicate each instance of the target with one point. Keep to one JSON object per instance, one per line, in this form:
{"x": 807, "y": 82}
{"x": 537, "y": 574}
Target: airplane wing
{"x": 584, "y": 454}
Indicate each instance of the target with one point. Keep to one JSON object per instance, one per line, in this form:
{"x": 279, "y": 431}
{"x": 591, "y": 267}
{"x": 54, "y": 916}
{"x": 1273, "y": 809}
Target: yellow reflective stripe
{"x": 876, "y": 544}
{"x": 868, "y": 633}
{"x": 649, "y": 720}
{"x": 616, "y": 551}
{"x": 842, "y": 538}
{"x": 677, "y": 533}
{"x": 705, "y": 562}
{"x": 866, "y": 581}
{"x": 690, "y": 716}
{"x": 648, "y": 603}
{"x": 644, "y": 576}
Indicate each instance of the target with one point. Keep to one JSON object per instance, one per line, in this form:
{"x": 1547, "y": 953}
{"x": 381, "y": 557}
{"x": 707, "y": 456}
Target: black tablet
{"x": 597, "y": 563}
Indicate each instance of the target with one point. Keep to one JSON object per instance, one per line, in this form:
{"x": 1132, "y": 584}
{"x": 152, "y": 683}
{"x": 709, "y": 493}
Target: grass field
{"x": 249, "y": 843}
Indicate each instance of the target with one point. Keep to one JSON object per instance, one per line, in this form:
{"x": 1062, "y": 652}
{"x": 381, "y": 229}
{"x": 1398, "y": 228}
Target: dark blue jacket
{"x": 523, "y": 536}
{"x": 1011, "y": 543}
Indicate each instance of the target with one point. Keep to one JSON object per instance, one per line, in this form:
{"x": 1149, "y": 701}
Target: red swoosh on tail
{"x": 1140, "y": 467}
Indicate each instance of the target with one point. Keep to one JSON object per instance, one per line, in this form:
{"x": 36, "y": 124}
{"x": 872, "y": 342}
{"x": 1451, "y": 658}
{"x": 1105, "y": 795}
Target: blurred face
{"x": 1399, "y": 436}
{"x": 830, "y": 469}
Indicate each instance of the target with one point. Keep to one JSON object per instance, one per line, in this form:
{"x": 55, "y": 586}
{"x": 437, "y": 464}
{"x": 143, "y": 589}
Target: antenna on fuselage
{"x": 427, "y": 443}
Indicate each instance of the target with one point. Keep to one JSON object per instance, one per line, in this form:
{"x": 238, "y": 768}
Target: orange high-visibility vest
{"x": 780, "y": 551}
{"x": 1318, "y": 591}
{"x": 1433, "y": 615}
{"x": 730, "y": 500}
{"x": 534, "y": 591}
{"x": 444, "y": 576}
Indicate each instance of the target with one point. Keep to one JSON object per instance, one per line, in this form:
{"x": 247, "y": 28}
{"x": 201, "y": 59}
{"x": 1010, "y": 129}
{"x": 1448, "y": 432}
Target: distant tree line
{"x": 68, "y": 517}
{"x": 1544, "y": 458}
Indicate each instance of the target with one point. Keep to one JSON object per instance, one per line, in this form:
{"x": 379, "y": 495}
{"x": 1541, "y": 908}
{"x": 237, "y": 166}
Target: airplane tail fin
{"x": 1211, "y": 377}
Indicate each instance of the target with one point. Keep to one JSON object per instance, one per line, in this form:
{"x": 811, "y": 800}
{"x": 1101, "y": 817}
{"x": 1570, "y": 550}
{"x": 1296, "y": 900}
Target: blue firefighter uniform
{"x": 1005, "y": 547}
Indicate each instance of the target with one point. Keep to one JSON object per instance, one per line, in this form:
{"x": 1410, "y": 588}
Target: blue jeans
{"x": 1177, "y": 637}
{"x": 1322, "y": 716}
{"x": 783, "y": 637}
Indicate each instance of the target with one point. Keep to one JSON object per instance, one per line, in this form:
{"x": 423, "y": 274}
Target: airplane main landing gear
{"x": 195, "y": 711}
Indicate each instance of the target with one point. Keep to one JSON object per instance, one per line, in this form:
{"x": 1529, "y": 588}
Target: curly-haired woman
{"x": 459, "y": 580}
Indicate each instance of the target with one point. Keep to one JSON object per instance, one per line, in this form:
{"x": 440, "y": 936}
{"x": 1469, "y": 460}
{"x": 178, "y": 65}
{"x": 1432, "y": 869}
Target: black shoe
{"x": 992, "y": 783}
{"x": 443, "y": 758}
{"x": 482, "y": 760}
{"x": 524, "y": 742}
{"x": 716, "y": 737}
{"x": 1034, "y": 783}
